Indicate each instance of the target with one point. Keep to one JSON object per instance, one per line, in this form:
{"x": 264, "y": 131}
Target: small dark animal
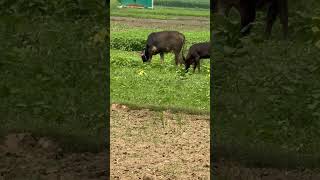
{"x": 197, "y": 52}
{"x": 164, "y": 42}
{"x": 247, "y": 10}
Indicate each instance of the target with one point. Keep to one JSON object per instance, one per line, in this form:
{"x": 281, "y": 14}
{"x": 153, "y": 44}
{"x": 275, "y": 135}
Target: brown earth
{"x": 181, "y": 23}
{"x": 164, "y": 145}
{"x": 158, "y": 145}
{"x": 145, "y": 145}
{"x": 23, "y": 156}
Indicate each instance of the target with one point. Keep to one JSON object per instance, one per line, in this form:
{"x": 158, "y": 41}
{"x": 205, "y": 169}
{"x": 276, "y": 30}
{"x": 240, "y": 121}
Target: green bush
{"x": 66, "y": 8}
{"x": 183, "y": 3}
{"x": 135, "y": 40}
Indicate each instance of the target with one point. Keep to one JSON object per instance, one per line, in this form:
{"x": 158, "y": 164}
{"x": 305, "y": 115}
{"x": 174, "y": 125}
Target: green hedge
{"x": 183, "y": 3}
{"x": 135, "y": 40}
{"x": 66, "y": 8}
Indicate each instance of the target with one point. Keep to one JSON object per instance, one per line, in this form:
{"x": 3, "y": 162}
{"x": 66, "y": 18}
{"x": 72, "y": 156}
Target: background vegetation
{"x": 52, "y": 70}
{"x": 266, "y": 103}
{"x": 205, "y": 4}
{"x": 155, "y": 85}
{"x": 164, "y": 10}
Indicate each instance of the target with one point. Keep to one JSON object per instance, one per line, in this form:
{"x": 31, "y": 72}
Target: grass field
{"x": 266, "y": 102}
{"x": 154, "y": 84}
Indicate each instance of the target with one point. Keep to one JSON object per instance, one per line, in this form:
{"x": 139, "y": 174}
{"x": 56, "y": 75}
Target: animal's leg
{"x": 248, "y": 15}
{"x": 176, "y": 57}
{"x": 196, "y": 63}
{"x": 162, "y": 57}
{"x": 271, "y": 17}
{"x": 227, "y": 12}
{"x": 283, "y": 13}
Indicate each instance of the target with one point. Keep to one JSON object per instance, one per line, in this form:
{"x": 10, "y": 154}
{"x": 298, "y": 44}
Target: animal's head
{"x": 222, "y": 7}
{"x": 144, "y": 56}
{"x": 187, "y": 63}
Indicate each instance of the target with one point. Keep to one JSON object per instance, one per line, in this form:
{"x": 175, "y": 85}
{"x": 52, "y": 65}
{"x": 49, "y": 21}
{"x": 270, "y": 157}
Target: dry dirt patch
{"x": 184, "y": 23}
{"x": 158, "y": 145}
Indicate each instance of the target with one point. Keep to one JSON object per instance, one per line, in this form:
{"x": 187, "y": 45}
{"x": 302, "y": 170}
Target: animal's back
{"x": 166, "y": 39}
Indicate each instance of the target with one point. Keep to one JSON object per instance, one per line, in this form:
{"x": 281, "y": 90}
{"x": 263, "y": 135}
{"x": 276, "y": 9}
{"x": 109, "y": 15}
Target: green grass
{"x": 52, "y": 79}
{"x": 160, "y": 13}
{"x": 155, "y": 84}
{"x": 266, "y": 100}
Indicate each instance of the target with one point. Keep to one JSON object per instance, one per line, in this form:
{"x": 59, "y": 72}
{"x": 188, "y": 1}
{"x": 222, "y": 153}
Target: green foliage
{"x": 306, "y": 27}
{"x": 51, "y": 79}
{"x": 267, "y": 92}
{"x": 66, "y": 8}
{"x": 183, "y": 3}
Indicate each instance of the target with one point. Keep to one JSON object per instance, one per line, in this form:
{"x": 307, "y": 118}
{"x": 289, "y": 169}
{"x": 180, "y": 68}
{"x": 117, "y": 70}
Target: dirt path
{"x": 158, "y": 145}
{"x": 184, "y": 22}
{"x": 23, "y": 156}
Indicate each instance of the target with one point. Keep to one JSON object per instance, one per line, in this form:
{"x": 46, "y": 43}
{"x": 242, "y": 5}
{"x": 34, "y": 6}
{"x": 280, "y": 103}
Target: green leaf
{"x": 315, "y": 29}
{"x": 317, "y": 44}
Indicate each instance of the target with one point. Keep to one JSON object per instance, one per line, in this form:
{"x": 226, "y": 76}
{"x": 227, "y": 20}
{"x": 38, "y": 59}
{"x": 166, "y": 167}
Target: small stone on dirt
{"x": 47, "y": 144}
{"x": 148, "y": 177}
{"x": 12, "y": 143}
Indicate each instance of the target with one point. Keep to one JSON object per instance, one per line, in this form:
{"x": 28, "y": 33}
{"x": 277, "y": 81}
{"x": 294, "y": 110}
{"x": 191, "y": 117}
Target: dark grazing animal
{"x": 247, "y": 10}
{"x": 197, "y": 52}
{"x": 164, "y": 42}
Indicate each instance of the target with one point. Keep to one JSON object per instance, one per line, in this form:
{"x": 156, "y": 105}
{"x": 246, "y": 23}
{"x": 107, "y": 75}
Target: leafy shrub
{"x": 66, "y": 8}
{"x": 135, "y": 40}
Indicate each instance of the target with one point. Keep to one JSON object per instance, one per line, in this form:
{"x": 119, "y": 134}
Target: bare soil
{"x": 145, "y": 144}
{"x": 158, "y": 145}
{"x": 23, "y": 156}
{"x": 183, "y": 22}
{"x": 152, "y": 145}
